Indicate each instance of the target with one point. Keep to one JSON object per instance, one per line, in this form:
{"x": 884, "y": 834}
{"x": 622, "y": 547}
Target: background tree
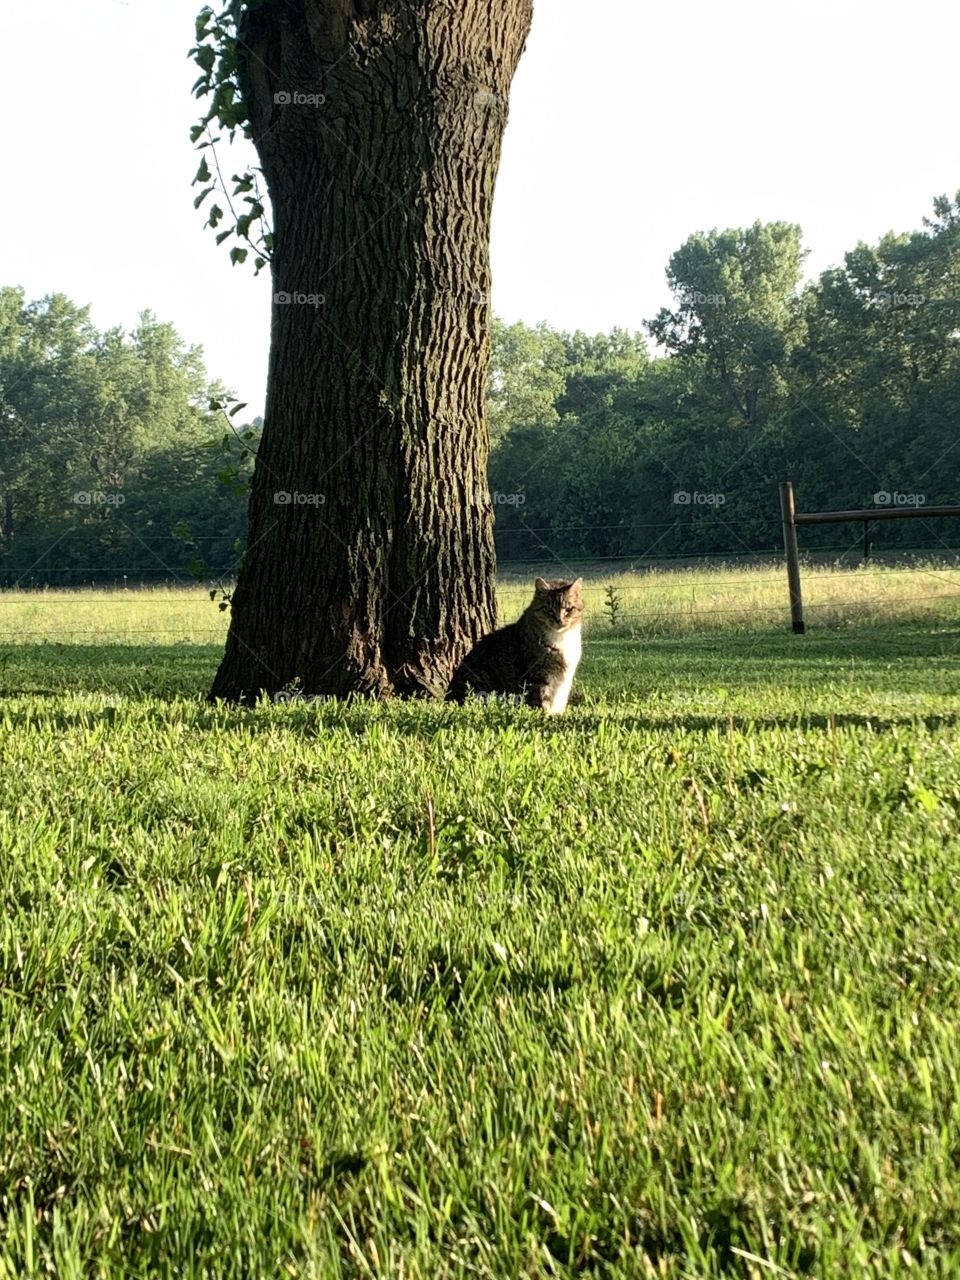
{"x": 527, "y": 374}
{"x": 378, "y": 127}
{"x": 45, "y": 360}
{"x": 105, "y": 448}
{"x": 594, "y": 437}
{"x": 881, "y": 368}
{"x": 737, "y": 313}
{"x": 596, "y": 366}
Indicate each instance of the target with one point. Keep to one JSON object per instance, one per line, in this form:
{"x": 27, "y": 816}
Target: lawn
{"x": 665, "y": 987}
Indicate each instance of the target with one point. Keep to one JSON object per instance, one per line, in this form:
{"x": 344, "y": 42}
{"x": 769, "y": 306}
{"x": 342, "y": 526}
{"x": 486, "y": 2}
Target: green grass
{"x": 669, "y": 986}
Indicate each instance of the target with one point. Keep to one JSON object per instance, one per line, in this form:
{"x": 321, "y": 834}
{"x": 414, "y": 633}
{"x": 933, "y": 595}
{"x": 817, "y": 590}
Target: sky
{"x": 632, "y": 125}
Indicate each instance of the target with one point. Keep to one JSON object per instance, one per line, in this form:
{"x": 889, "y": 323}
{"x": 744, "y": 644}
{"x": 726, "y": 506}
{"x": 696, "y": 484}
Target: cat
{"x": 535, "y": 657}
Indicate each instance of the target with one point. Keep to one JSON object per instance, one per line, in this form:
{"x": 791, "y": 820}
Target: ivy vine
{"x": 225, "y": 115}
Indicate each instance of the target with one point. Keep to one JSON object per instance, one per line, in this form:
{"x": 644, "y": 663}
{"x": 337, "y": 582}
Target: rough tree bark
{"x": 378, "y": 124}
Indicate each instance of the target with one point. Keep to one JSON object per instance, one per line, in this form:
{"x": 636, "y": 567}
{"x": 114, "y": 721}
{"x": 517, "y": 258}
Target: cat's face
{"x": 559, "y": 603}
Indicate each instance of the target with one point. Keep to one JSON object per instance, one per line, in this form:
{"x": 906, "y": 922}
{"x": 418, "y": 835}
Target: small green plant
{"x": 612, "y": 605}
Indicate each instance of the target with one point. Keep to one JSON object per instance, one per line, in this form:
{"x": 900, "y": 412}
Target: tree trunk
{"x": 378, "y": 125}
{"x": 751, "y": 413}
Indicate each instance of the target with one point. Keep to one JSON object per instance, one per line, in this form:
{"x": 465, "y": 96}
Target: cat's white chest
{"x": 570, "y": 645}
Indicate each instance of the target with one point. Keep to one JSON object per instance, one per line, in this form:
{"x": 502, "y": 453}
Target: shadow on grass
{"x": 318, "y": 720}
{"x": 149, "y": 671}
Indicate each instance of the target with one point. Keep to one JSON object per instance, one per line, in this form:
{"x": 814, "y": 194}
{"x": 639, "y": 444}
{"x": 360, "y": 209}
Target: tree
{"x": 596, "y": 367}
{"x": 44, "y": 376}
{"x": 526, "y": 376}
{"x": 737, "y": 312}
{"x": 105, "y": 447}
{"x": 881, "y": 366}
{"x": 378, "y": 126}
{"x": 884, "y": 326}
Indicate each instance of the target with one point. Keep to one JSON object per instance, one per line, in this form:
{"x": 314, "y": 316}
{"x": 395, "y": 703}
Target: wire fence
{"x": 625, "y": 596}
{"x": 168, "y": 594}
{"x": 644, "y": 621}
{"x": 199, "y": 591}
{"x": 747, "y": 528}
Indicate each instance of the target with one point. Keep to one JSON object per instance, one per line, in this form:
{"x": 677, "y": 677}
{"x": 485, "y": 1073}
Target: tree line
{"x": 120, "y": 455}
{"x": 112, "y": 461}
{"x": 849, "y": 385}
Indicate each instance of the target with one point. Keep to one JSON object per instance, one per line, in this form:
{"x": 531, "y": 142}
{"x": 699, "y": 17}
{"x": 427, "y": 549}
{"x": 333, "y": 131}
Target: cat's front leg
{"x": 538, "y": 696}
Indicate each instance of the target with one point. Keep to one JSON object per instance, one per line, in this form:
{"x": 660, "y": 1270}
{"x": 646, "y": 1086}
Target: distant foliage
{"x": 849, "y": 386}
{"x": 112, "y": 462}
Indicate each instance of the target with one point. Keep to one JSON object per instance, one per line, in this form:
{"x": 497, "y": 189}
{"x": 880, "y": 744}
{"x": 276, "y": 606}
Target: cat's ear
{"x": 576, "y": 585}
{"x": 541, "y": 584}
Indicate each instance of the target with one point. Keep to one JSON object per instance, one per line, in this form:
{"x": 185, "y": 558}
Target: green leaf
{"x": 202, "y": 196}
{"x": 237, "y": 255}
{"x": 203, "y": 173}
{"x": 237, "y": 407}
{"x": 203, "y": 17}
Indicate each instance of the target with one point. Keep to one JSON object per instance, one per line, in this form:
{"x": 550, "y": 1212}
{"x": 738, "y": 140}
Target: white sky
{"x": 631, "y": 126}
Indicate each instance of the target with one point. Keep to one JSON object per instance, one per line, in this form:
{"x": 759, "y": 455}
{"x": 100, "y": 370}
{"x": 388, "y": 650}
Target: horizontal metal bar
{"x": 873, "y": 513}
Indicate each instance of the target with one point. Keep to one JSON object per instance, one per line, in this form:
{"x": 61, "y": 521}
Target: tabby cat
{"x": 535, "y": 657}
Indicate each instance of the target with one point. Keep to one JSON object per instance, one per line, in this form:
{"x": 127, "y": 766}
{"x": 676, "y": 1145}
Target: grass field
{"x": 669, "y": 986}
{"x": 660, "y": 601}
